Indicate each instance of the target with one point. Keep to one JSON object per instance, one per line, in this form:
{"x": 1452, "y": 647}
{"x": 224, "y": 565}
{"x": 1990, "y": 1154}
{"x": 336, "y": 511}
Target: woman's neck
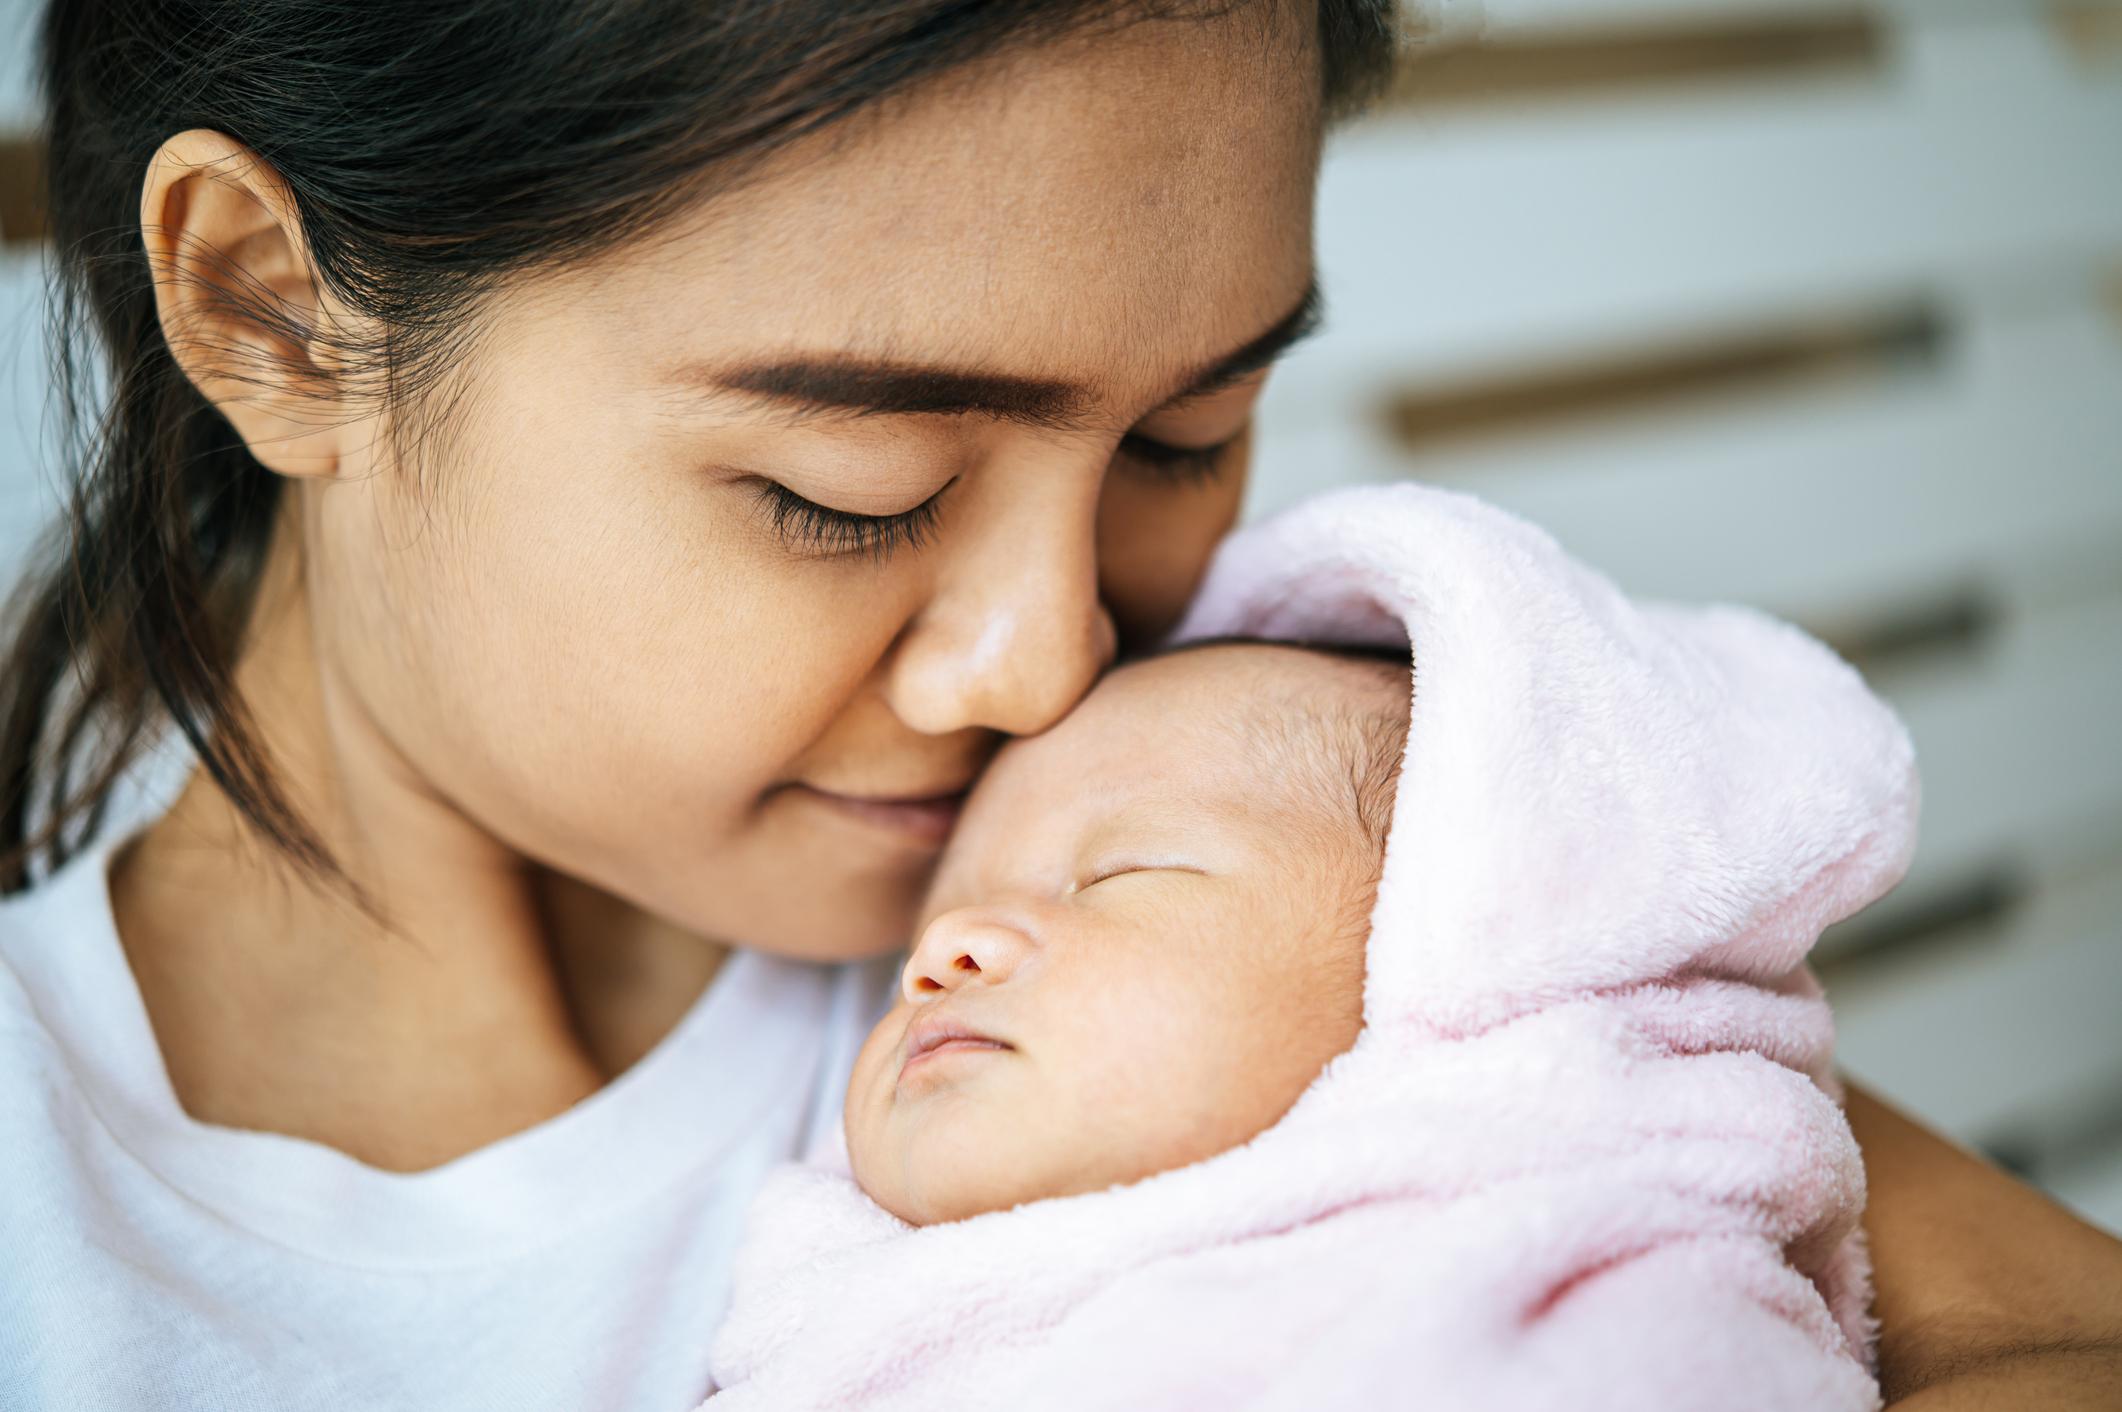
{"x": 505, "y": 995}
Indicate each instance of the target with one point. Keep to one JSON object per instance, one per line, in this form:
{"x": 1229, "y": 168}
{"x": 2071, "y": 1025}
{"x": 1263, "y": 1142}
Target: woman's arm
{"x": 1989, "y": 1294}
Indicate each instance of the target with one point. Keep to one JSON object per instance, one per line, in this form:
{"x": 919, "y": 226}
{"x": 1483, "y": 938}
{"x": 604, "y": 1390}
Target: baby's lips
{"x": 934, "y": 1029}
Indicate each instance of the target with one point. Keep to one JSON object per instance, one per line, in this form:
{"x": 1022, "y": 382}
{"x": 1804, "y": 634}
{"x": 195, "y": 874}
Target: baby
{"x": 1146, "y": 937}
{"x": 1292, "y": 1029}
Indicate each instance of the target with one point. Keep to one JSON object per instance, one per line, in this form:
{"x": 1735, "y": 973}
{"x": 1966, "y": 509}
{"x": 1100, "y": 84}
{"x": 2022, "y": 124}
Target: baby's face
{"x": 1144, "y": 928}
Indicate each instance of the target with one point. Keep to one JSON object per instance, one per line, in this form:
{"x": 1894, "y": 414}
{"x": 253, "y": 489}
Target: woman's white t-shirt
{"x": 148, "y": 1260}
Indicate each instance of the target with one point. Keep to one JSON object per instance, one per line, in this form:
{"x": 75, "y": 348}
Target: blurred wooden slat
{"x": 1990, "y": 899}
{"x": 1980, "y": 1038}
{"x": 1824, "y": 505}
{"x": 1476, "y": 241}
{"x": 2015, "y": 742}
{"x": 21, "y": 191}
{"x": 1891, "y": 340}
{"x": 1547, "y": 64}
{"x": 1883, "y": 638}
{"x": 2092, "y": 32}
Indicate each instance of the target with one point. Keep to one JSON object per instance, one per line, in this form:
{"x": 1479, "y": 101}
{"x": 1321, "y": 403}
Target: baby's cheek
{"x": 866, "y": 1111}
{"x": 1272, "y": 1043}
{"x": 1173, "y": 1086}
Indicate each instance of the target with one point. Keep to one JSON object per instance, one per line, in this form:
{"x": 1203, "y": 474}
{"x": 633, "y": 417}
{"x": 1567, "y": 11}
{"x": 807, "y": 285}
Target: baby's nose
{"x": 965, "y": 945}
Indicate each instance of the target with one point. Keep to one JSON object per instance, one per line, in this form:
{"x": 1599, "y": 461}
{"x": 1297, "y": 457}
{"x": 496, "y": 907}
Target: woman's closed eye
{"x": 1176, "y": 465}
{"x": 804, "y": 524}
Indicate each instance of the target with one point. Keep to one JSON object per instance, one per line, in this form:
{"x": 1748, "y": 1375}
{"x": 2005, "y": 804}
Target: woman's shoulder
{"x": 873, "y": 985}
{"x": 862, "y": 991}
{"x": 35, "y": 927}
{"x": 18, "y": 1016}
{"x": 47, "y": 930}
{"x": 68, "y": 1006}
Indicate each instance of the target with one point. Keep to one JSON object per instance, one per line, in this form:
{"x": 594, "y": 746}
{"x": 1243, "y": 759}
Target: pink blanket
{"x": 1586, "y": 1152}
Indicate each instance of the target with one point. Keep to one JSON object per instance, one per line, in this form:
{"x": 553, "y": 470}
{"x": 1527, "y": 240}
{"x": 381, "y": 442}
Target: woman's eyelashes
{"x": 803, "y": 524}
{"x": 1177, "y": 465}
{"x": 819, "y": 529}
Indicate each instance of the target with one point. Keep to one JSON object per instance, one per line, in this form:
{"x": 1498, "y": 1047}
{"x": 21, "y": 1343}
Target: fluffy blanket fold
{"x": 1587, "y": 1152}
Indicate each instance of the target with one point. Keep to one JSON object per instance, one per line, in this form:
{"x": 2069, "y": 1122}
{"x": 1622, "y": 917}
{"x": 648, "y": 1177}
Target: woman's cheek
{"x": 1155, "y": 541}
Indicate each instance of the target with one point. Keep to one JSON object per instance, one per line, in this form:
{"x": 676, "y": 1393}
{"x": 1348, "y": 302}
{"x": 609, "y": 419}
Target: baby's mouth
{"x": 933, "y": 1036}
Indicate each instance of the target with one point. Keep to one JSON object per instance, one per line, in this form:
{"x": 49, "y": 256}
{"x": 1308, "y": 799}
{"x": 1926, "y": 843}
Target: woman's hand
{"x": 1989, "y": 1294}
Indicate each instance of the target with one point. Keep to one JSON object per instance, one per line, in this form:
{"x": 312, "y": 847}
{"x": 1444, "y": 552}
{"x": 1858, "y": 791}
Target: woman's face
{"x": 812, "y": 498}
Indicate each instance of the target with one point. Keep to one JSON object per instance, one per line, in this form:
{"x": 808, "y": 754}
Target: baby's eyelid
{"x": 1106, "y": 872}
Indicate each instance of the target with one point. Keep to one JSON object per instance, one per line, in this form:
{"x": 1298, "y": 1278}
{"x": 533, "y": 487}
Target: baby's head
{"x": 1153, "y": 918}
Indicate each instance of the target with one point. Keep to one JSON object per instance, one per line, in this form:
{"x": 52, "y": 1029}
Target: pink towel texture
{"x": 1587, "y": 1151}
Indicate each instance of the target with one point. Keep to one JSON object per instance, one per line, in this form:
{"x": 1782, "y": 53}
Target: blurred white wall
{"x": 18, "y": 20}
{"x": 26, "y": 498}
{"x": 1818, "y": 305}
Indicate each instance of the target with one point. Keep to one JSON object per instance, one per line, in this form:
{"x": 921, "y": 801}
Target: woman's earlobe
{"x": 239, "y": 301}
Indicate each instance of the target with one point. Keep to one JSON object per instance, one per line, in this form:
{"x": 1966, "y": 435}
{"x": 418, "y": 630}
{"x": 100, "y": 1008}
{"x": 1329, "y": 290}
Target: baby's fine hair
{"x": 1362, "y": 748}
{"x": 1372, "y": 741}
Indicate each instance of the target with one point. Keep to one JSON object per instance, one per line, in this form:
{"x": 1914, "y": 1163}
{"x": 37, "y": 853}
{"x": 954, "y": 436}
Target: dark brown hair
{"x": 432, "y": 148}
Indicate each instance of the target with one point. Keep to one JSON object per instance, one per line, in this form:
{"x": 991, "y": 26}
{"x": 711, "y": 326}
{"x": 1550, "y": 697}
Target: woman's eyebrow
{"x": 1305, "y": 318}
{"x": 869, "y": 387}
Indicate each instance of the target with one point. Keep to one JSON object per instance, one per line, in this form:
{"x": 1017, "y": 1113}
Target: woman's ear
{"x": 240, "y": 304}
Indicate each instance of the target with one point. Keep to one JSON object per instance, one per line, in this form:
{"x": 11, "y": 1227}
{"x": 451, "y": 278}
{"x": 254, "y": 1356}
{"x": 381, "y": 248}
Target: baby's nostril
{"x": 965, "y": 963}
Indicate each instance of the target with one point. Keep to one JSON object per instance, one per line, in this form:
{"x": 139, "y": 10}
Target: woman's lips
{"x": 926, "y": 819}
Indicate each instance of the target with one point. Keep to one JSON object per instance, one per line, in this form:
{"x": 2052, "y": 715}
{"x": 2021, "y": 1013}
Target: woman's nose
{"x": 962, "y": 947}
{"x": 1016, "y": 631}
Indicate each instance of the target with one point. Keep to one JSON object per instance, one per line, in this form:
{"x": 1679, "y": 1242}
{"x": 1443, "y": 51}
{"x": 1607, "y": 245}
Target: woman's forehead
{"x": 1109, "y": 206}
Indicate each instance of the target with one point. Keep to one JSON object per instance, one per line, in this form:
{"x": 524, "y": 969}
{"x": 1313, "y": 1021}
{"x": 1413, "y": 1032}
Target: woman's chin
{"x": 815, "y": 899}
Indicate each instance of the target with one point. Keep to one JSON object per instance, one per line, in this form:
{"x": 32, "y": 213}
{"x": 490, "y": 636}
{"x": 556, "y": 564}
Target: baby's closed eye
{"x": 1107, "y": 871}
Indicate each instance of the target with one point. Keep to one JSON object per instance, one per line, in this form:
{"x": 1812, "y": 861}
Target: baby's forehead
{"x": 1242, "y": 672}
{"x": 1248, "y": 689}
{"x": 1306, "y": 725}
{"x": 1220, "y": 742}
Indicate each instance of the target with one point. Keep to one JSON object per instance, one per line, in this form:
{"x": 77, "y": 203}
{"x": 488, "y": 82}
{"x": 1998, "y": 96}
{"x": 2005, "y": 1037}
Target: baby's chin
{"x": 938, "y": 1176}
{"x": 930, "y": 1168}
{"x": 920, "y": 1196}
